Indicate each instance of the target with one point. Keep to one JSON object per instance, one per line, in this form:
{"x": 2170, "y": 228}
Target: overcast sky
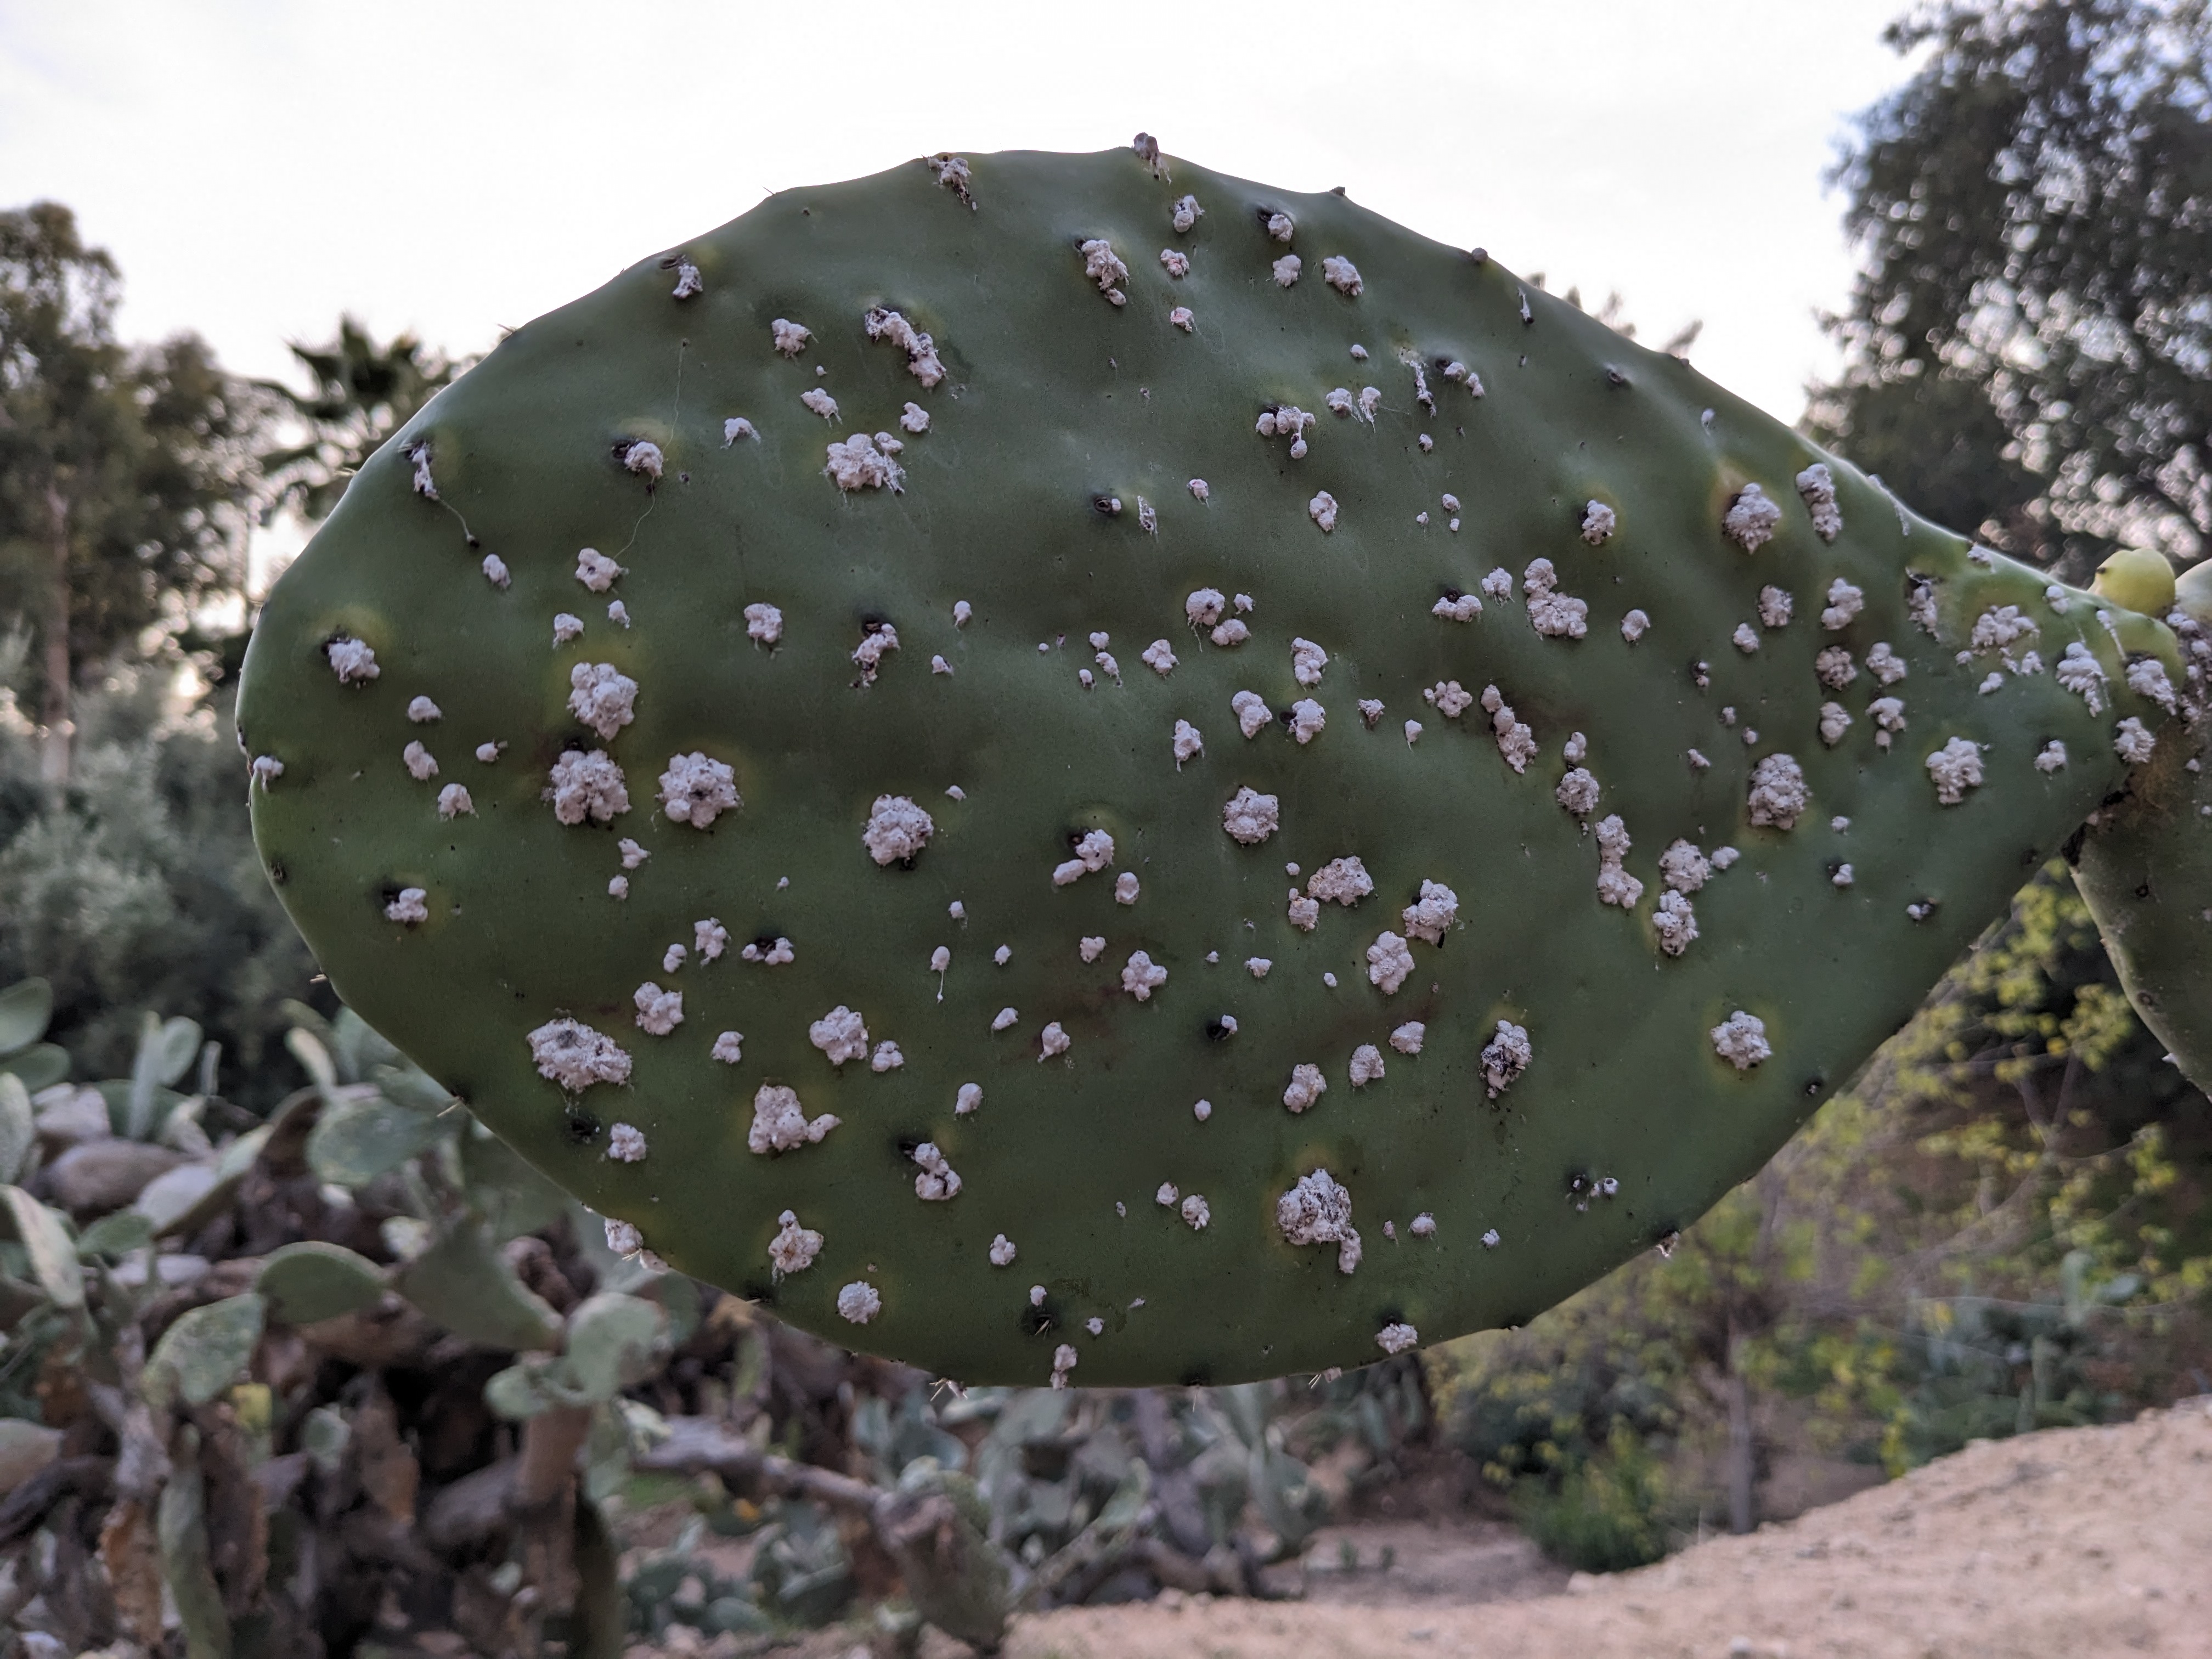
{"x": 259, "y": 165}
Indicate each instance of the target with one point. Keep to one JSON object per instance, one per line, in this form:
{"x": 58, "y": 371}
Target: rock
{"x": 25, "y": 1448}
{"x": 101, "y": 1175}
{"x": 68, "y": 1117}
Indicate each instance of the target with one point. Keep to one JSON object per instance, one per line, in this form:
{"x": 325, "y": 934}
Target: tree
{"x": 363, "y": 394}
{"x": 123, "y": 475}
{"x": 2029, "y": 341}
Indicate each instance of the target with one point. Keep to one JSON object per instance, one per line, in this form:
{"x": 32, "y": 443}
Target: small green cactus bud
{"x": 1035, "y": 601}
{"x": 2138, "y": 579}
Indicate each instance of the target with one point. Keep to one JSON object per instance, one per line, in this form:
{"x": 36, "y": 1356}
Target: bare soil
{"x": 2072, "y": 1543}
{"x": 2069, "y": 1544}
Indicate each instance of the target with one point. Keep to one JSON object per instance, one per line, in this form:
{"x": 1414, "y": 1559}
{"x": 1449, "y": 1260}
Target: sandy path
{"x": 2069, "y": 1544}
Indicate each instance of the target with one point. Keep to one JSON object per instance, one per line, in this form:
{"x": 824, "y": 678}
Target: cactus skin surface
{"x": 2145, "y": 861}
{"x": 1535, "y": 1162}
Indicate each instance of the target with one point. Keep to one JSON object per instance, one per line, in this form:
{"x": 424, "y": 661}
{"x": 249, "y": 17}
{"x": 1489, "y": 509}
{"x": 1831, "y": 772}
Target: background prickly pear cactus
{"x": 2144, "y": 862}
{"x": 1070, "y": 775}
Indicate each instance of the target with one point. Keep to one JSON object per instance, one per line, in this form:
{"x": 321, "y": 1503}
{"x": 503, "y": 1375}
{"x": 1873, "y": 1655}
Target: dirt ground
{"x": 2070, "y": 1544}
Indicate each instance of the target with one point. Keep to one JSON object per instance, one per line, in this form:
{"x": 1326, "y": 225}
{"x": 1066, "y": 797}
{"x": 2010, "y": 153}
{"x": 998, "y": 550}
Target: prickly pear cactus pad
{"x": 1069, "y": 773}
{"x": 2144, "y": 860}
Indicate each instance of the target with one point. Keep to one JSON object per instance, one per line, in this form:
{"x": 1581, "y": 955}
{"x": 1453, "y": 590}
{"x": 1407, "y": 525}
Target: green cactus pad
{"x": 1154, "y": 954}
{"x": 2144, "y": 863}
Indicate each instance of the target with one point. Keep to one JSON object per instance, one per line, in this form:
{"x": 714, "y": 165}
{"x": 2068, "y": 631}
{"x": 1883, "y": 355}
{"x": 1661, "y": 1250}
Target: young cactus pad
{"x": 1123, "y": 796}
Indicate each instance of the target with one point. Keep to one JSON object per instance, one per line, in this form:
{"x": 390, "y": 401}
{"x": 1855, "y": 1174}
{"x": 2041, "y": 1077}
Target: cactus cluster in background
{"x": 356, "y": 1371}
{"x": 1085, "y": 777}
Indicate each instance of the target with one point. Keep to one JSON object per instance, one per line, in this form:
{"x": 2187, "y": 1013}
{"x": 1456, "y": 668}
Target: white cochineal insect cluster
{"x": 1500, "y": 805}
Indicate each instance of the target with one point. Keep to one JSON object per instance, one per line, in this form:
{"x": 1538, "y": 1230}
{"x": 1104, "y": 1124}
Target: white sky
{"x": 258, "y": 166}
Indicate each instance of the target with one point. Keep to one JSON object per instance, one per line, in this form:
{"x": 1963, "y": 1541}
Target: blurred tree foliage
{"x": 2029, "y": 341}
{"x": 136, "y": 886}
{"x": 124, "y": 473}
{"x": 362, "y": 392}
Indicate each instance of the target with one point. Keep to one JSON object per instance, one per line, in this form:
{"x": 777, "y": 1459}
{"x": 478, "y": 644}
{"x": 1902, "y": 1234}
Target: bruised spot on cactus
{"x": 2133, "y": 742}
{"x": 354, "y": 661}
{"x": 1307, "y": 1086}
{"x": 1598, "y": 522}
{"x": 1249, "y": 816}
{"x": 573, "y": 1055}
{"x": 1051, "y": 1041}
{"x": 1317, "y": 1210}
{"x": 1343, "y": 276}
{"x": 790, "y": 337}
{"x": 1778, "y": 793}
{"x": 1740, "y": 1039}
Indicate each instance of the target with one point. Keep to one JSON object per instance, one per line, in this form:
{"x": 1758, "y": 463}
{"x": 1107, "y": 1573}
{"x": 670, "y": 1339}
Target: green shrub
{"x": 1606, "y": 1513}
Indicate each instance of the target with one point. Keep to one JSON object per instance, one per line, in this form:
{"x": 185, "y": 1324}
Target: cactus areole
{"x": 1078, "y": 775}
